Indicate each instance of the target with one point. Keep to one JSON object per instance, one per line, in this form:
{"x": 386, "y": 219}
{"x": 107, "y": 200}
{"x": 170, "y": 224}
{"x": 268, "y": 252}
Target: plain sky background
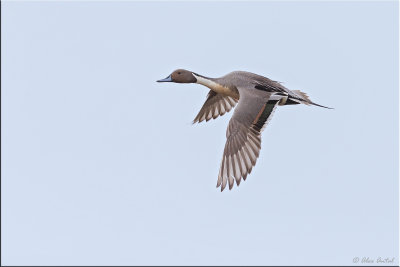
{"x": 101, "y": 165}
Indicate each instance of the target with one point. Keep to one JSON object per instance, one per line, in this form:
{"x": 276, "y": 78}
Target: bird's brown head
{"x": 180, "y": 76}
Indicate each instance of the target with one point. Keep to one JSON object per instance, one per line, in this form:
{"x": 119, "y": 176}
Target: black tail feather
{"x": 315, "y": 104}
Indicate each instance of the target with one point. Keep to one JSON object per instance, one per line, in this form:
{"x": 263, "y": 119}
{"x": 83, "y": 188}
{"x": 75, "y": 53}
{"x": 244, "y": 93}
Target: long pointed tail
{"x": 315, "y": 104}
{"x": 308, "y": 100}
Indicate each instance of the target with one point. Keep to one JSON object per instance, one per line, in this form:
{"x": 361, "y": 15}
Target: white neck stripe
{"x": 205, "y": 81}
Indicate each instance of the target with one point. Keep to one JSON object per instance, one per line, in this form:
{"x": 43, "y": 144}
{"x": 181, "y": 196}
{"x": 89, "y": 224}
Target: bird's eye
{"x": 179, "y": 73}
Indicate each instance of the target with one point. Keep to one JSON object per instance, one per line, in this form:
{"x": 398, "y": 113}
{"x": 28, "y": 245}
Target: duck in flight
{"x": 257, "y": 98}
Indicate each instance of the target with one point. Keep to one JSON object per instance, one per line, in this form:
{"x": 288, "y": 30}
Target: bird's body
{"x": 257, "y": 99}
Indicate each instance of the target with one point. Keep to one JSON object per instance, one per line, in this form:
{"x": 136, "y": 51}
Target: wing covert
{"x": 215, "y": 105}
{"x": 243, "y": 135}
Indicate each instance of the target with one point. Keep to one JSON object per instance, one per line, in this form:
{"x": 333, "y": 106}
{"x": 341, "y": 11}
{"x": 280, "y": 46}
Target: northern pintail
{"x": 257, "y": 99}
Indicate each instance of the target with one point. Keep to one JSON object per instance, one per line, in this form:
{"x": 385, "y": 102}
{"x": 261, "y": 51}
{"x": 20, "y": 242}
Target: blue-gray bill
{"x": 168, "y": 79}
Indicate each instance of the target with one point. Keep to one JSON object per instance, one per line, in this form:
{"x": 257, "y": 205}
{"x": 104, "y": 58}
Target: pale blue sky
{"x": 101, "y": 165}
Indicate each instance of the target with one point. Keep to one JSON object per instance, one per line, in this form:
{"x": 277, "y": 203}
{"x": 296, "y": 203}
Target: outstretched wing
{"x": 215, "y": 105}
{"x": 243, "y": 135}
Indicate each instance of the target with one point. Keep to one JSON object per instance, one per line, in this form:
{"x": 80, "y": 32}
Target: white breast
{"x": 216, "y": 87}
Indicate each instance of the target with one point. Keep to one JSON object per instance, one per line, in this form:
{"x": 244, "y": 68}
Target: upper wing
{"x": 215, "y": 105}
{"x": 243, "y": 135}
